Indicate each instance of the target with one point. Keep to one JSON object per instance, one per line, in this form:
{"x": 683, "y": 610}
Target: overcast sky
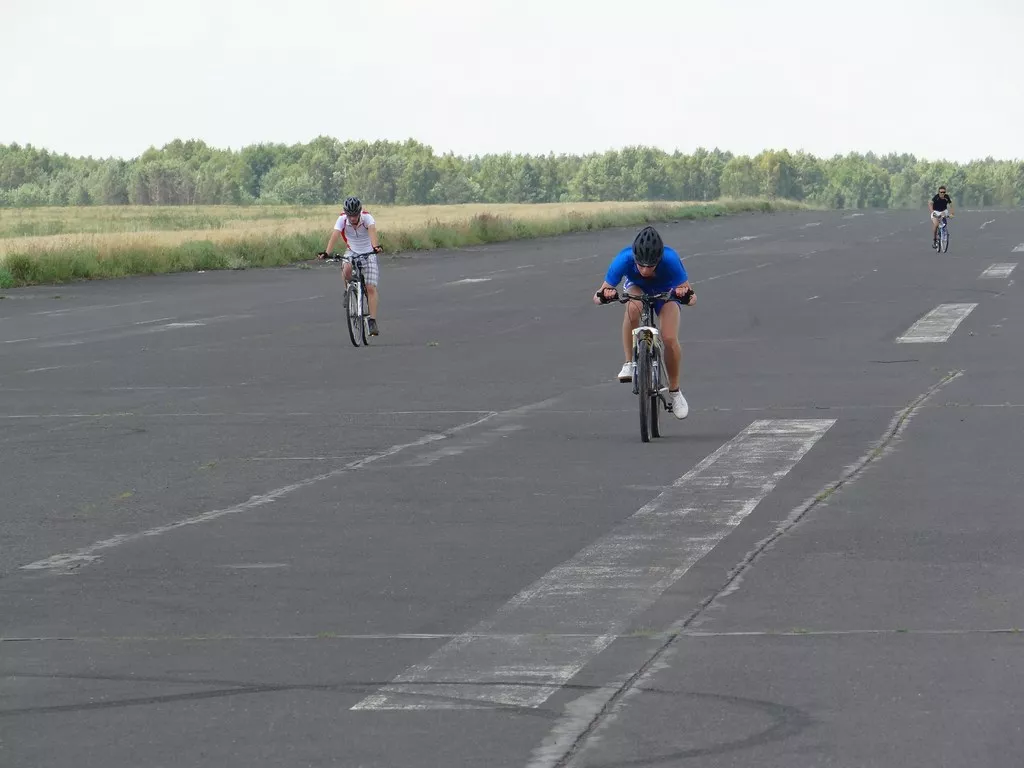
{"x": 113, "y": 77}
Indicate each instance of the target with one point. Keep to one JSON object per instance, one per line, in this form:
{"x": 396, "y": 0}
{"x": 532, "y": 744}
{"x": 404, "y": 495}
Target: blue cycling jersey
{"x": 669, "y": 273}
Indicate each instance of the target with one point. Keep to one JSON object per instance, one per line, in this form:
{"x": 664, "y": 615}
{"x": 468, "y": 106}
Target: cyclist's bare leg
{"x": 935, "y": 226}
{"x": 669, "y": 322}
{"x": 630, "y": 321}
{"x": 346, "y": 272}
{"x": 371, "y": 295}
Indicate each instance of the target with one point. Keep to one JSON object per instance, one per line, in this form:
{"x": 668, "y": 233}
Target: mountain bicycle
{"x": 357, "y": 307}
{"x": 941, "y": 241}
{"x": 648, "y": 362}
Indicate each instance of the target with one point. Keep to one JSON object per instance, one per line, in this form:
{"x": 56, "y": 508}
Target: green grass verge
{"x": 82, "y": 263}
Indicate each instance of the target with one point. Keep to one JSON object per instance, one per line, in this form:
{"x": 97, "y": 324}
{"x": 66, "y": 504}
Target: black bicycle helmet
{"x": 353, "y": 205}
{"x": 648, "y": 247}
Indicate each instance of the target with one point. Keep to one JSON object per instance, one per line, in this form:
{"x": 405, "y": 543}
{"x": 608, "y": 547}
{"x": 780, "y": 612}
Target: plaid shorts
{"x": 369, "y": 264}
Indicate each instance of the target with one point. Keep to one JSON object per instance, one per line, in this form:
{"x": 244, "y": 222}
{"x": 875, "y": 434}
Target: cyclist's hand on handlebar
{"x": 687, "y": 297}
{"x": 605, "y": 295}
{"x": 378, "y": 249}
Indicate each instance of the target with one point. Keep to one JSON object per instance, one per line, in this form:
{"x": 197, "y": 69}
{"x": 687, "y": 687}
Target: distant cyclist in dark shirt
{"x": 938, "y": 205}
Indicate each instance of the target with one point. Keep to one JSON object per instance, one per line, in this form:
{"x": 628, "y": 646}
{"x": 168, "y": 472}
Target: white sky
{"x": 113, "y": 77}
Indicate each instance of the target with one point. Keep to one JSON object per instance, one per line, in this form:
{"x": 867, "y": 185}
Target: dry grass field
{"x": 54, "y": 245}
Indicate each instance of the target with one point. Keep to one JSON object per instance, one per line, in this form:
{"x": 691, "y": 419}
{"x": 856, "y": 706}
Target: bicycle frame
{"x": 648, "y": 331}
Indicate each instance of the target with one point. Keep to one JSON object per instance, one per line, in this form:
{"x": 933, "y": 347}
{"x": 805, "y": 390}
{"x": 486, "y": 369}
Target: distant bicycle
{"x": 941, "y": 240}
{"x": 648, "y": 366}
{"x": 357, "y": 307}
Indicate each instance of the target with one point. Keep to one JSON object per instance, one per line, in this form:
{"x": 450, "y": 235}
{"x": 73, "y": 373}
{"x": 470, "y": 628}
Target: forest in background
{"x": 326, "y": 169}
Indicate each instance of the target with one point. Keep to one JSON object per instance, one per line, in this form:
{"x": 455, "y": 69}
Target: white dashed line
{"x": 998, "y": 271}
{"x": 938, "y": 325}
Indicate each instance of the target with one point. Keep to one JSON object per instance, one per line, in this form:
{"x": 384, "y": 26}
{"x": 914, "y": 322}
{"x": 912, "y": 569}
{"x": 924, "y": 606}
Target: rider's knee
{"x": 371, "y": 289}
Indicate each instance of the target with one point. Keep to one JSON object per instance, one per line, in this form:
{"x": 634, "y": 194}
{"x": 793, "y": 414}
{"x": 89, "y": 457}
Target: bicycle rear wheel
{"x": 354, "y": 312}
{"x": 643, "y": 379}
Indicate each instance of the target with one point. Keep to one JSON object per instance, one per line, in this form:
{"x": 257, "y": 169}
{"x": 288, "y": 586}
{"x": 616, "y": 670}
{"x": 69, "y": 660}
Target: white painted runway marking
{"x": 299, "y": 458}
{"x": 221, "y": 414}
{"x": 1019, "y": 248}
{"x": 92, "y": 307}
{"x": 938, "y": 325}
{"x": 812, "y": 224}
{"x": 999, "y": 271}
{"x": 89, "y": 554}
{"x": 598, "y": 591}
{"x": 992, "y": 221}
{"x": 744, "y": 238}
{"x": 469, "y": 280}
{"x": 255, "y": 566}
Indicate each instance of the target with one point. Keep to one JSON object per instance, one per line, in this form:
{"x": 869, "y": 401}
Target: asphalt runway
{"x": 229, "y": 538}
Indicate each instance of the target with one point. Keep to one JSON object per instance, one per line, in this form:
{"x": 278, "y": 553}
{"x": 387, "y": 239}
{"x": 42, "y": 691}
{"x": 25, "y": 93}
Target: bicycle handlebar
{"x": 325, "y": 254}
{"x": 644, "y": 297}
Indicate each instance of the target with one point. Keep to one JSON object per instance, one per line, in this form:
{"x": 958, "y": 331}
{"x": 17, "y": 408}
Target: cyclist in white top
{"x": 359, "y": 231}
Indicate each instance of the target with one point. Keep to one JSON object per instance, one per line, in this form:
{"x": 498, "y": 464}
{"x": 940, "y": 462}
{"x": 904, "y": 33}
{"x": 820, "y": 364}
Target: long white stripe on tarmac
{"x": 527, "y": 650}
{"x": 938, "y": 325}
{"x": 1019, "y": 248}
{"x": 69, "y": 560}
{"x": 999, "y": 270}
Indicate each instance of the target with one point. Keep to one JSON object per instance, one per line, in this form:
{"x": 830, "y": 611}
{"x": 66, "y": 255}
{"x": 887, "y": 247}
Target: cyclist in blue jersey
{"x": 649, "y": 266}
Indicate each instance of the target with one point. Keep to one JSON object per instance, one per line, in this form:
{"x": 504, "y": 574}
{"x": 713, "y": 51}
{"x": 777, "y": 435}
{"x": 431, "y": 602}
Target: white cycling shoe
{"x": 626, "y": 373}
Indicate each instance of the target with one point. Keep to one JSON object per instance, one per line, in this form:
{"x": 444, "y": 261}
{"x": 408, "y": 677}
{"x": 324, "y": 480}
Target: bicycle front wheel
{"x": 944, "y": 240}
{"x": 354, "y": 313}
{"x": 655, "y": 397}
{"x": 364, "y": 315}
{"x": 643, "y": 379}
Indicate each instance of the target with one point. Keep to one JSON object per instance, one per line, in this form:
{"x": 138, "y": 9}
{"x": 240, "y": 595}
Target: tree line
{"x": 325, "y": 170}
